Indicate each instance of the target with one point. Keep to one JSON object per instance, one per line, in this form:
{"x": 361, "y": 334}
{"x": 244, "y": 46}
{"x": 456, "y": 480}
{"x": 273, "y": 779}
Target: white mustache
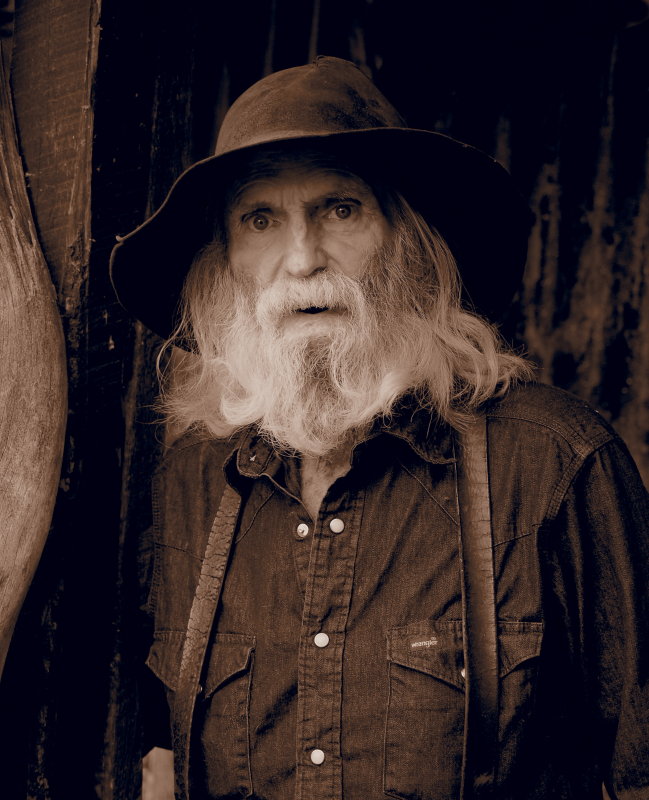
{"x": 333, "y": 291}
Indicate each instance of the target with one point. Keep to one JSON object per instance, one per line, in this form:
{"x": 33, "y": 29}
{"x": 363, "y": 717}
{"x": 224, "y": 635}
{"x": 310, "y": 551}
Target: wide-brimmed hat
{"x": 331, "y": 105}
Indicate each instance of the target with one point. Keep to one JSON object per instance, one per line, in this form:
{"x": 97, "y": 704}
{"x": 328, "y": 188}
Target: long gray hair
{"x": 426, "y": 344}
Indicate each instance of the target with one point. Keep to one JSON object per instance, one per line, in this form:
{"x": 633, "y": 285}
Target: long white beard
{"x": 399, "y": 328}
{"x": 308, "y": 383}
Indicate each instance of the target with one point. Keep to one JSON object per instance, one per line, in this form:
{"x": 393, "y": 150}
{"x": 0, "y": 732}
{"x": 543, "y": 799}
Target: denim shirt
{"x": 383, "y": 699}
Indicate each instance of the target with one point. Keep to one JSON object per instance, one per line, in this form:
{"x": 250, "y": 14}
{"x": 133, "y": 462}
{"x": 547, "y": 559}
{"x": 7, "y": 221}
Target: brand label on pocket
{"x": 424, "y": 643}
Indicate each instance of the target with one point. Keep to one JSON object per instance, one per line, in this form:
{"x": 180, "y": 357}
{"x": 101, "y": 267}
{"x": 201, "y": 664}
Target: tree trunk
{"x": 33, "y": 387}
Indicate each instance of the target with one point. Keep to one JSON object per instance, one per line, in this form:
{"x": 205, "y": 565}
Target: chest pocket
{"x": 220, "y": 742}
{"x": 424, "y": 729}
{"x": 164, "y": 657}
{"x": 221, "y": 751}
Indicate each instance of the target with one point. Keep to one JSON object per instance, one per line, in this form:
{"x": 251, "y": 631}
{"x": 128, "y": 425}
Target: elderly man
{"x": 385, "y": 563}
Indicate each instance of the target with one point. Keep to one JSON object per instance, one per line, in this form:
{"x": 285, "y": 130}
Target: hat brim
{"x": 468, "y": 196}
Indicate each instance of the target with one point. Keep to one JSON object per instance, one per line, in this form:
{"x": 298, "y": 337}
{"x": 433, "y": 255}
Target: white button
{"x": 302, "y": 530}
{"x": 321, "y": 640}
{"x": 317, "y": 756}
{"x": 337, "y": 525}
{"x": 463, "y": 672}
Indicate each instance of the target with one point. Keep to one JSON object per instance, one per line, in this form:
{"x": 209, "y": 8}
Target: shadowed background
{"x": 114, "y": 99}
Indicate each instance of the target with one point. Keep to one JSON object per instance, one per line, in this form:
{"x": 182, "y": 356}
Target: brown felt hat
{"x": 331, "y": 105}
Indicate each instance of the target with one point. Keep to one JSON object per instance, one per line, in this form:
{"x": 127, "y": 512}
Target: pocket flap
{"x": 231, "y": 654}
{"x": 431, "y": 647}
{"x": 518, "y": 642}
{"x": 164, "y": 656}
{"x": 436, "y": 648}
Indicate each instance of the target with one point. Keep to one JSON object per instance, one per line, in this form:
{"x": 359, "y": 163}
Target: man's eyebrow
{"x": 246, "y": 208}
{"x": 238, "y": 206}
{"x": 331, "y": 198}
{"x": 350, "y": 190}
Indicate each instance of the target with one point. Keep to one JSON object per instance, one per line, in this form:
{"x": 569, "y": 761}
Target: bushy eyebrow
{"x": 339, "y": 197}
{"x": 356, "y": 195}
{"x": 253, "y": 208}
{"x": 349, "y": 187}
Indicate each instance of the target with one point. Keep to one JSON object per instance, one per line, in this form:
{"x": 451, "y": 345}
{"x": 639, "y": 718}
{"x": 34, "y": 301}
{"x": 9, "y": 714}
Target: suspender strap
{"x": 480, "y": 635}
{"x": 201, "y": 619}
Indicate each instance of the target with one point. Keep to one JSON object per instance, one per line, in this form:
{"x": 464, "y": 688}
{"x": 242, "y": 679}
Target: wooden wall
{"x": 113, "y": 99}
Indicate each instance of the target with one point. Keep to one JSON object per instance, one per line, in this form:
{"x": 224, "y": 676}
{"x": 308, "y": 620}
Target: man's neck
{"x": 318, "y": 473}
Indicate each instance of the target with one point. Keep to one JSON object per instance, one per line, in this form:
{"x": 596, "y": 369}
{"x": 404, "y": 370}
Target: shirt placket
{"x": 322, "y": 640}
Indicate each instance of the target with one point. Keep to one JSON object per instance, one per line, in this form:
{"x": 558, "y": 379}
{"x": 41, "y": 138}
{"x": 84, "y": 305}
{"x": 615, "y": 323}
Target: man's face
{"x": 313, "y": 314}
{"x": 300, "y": 221}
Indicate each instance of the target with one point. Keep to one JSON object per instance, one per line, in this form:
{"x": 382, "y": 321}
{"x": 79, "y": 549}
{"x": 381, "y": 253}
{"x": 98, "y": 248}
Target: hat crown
{"x": 328, "y": 96}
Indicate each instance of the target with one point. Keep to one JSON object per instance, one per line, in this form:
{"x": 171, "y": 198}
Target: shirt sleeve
{"x": 602, "y": 584}
{"x": 154, "y": 708}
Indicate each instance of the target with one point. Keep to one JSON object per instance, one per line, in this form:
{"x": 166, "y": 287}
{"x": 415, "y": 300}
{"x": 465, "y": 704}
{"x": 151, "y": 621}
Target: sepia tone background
{"x": 111, "y": 101}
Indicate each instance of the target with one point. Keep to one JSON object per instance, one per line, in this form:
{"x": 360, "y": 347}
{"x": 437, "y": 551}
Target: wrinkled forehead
{"x": 275, "y": 163}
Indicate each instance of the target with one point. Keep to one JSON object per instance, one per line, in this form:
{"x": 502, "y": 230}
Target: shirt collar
{"x": 421, "y": 429}
{"x": 429, "y": 436}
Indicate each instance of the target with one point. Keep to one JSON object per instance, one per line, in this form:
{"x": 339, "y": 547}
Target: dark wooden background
{"x": 114, "y": 98}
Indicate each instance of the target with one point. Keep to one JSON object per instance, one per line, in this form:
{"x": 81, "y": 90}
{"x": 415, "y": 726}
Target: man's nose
{"x": 303, "y": 253}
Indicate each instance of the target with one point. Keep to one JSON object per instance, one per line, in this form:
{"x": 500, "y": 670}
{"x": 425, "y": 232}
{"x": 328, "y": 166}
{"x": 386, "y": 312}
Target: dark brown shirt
{"x": 336, "y": 671}
{"x": 328, "y": 610}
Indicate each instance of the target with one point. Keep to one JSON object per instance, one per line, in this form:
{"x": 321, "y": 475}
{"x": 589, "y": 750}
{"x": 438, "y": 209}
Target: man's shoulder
{"x": 537, "y": 409}
{"x": 199, "y": 447}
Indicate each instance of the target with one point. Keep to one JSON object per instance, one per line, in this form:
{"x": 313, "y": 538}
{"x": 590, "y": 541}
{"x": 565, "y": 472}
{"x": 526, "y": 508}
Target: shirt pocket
{"x": 424, "y": 727}
{"x": 519, "y": 650}
{"x": 164, "y": 657}
{"x": 221, "y": 751}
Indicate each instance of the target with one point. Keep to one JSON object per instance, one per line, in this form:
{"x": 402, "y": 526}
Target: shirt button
{"x": 302, "y": 530}
{"x": 337, "y": 525}
{"x": 317, "y": 756}
{"x": 321, "y": 640}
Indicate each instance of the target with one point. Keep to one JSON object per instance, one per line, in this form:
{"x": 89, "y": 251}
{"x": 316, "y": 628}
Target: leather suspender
{"x": 201, "y": 619}
{"x": 479, "y": 625}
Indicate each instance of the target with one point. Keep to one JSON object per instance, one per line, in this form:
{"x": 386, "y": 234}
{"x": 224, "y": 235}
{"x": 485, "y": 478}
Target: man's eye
{"x": 258, "y": 222}
{"x": 342, "y": 211}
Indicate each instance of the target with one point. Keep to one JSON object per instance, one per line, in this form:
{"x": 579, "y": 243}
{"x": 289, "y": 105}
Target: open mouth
{"x": 313, "y": 309}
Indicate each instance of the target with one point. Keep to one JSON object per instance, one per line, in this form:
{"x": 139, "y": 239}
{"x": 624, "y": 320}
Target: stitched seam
{"x": 432, "y": 497}
{"x": 576, "y": 441}
{"x": 242, "y": 533}
{"x": 558, "y": 495}
{"x": 431, "y": 459}
{"x": 156, "y": 570}
{"x": 563, "y": 486}
{"x": 179, "y": 549}
{"x": 518, "y": 536}
{"x": 162, "y": 633}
